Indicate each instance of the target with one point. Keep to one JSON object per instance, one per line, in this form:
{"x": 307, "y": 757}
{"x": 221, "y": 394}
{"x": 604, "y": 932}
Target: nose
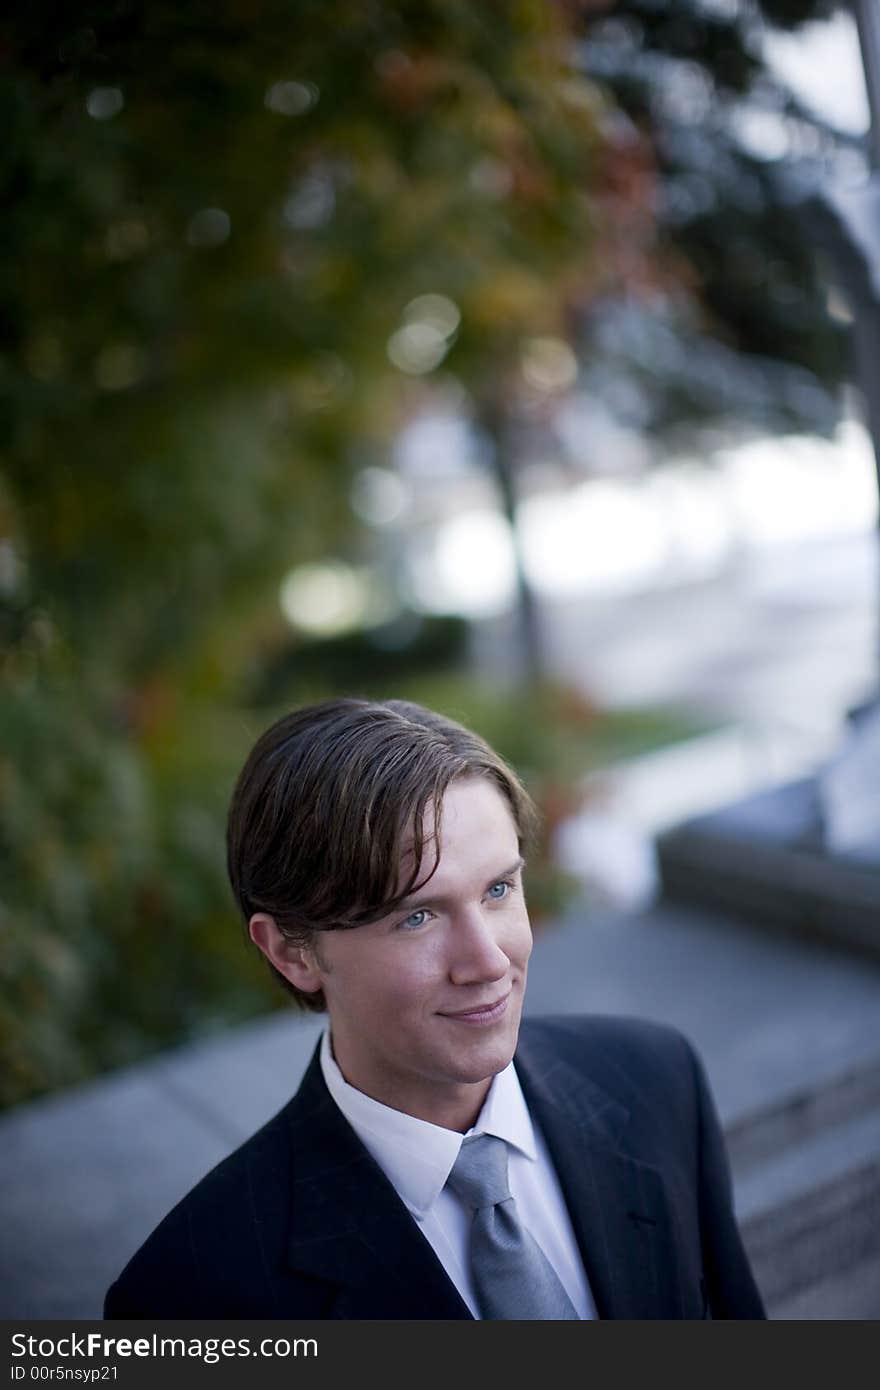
{"x": 476, "y": 955}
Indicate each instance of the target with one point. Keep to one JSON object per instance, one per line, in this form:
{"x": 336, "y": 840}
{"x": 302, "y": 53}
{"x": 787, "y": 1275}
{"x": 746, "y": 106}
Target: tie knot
{"x": 479, "y": 1174}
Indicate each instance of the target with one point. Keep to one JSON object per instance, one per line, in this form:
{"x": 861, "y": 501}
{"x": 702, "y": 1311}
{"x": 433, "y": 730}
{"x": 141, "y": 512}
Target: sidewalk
{"x": 84, "y": 1176}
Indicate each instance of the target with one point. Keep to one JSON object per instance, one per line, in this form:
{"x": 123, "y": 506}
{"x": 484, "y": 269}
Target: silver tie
{"x": 512, "y": 1277}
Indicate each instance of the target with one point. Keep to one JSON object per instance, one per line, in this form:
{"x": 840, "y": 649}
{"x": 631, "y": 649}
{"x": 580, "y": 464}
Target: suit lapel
{"x": 617, "y": 1204}
{"x": 350, "y": 1228}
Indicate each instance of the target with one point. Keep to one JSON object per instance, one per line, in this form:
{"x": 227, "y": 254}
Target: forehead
{"x": 477, "y": 830}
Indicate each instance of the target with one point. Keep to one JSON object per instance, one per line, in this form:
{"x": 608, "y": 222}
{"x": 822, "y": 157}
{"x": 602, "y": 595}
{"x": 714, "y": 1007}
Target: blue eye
{"x": 417, "y": 918}
{"x": 504, "y": 886}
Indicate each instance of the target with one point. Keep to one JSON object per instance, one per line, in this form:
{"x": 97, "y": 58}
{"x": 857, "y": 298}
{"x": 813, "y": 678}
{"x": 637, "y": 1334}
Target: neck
{"x": 448, "y": 1107}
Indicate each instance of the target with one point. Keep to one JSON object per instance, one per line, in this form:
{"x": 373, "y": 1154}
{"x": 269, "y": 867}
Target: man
{"x": 438, "y": 1160}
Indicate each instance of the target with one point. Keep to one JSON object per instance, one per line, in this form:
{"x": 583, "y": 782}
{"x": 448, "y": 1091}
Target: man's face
{"x": 425, "y": 1004}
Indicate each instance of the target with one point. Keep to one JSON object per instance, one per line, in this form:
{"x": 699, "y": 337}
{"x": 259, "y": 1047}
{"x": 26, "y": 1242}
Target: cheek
{"x": 419, "y": 977}
{"x": 402, "y": 979}
{"x": 522, "y": 936}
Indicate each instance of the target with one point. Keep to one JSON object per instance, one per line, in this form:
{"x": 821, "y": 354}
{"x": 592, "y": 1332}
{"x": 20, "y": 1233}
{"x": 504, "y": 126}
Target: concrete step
{"x": 808, "y": 1115}
{"x": 827, "y": 1240}
{"x": 807, "y": 1189}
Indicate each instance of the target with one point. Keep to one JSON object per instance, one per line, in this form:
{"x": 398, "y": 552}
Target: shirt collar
{"x": 415, "y": 1155}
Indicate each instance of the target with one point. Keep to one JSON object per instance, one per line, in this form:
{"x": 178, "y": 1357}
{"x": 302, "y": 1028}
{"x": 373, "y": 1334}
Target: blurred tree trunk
{"x": 495, "y": 421}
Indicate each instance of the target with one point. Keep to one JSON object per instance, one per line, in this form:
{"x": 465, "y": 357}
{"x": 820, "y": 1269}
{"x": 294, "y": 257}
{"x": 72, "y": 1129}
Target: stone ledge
{"x": 762, "y": 860}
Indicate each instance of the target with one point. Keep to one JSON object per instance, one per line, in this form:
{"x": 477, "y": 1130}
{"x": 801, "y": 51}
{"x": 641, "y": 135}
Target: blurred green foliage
{"x": 215, "y": 217}
{"x": 218, "y": 214}
{"x": 117, "y": 928}
{"x": 368, "y": 659}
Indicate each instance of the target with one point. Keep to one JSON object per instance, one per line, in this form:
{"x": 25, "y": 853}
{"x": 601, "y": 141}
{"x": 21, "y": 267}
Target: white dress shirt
{"x": 417, "y": 1157}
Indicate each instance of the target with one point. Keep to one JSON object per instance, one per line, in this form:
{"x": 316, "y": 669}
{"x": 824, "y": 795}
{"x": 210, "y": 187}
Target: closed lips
{"x": 479, "y": 1009}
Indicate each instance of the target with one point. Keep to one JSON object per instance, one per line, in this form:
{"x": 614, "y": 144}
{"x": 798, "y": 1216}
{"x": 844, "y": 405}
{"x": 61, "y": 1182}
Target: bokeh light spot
{"x": 311, "y": 203}
{"x": 429, "y": 325}
{"x": 103, "y": 103}
{"x": 379, "y": 496}
{"x": 417, "y": 348}
{"x": 324, "y": 599}
{"x": 291, "y": 98}
{"x": 437, "y": 310}
{"x": 548, "y": 364}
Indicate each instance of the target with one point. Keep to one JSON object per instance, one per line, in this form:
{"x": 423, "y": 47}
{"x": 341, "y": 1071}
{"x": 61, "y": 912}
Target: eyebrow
{"x": 424, "y": 898}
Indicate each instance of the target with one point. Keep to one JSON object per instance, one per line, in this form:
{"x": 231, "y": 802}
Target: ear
{"x": 296, "y": 963}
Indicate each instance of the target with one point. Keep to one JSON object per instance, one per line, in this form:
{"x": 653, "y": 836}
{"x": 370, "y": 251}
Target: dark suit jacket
{"x": 300, "y": 1222}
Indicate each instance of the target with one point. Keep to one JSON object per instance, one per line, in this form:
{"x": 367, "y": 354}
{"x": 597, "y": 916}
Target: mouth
{"x": 486, "y": 1013}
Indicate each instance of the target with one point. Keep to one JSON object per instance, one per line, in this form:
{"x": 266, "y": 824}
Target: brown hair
{"x": 321, "y": 807}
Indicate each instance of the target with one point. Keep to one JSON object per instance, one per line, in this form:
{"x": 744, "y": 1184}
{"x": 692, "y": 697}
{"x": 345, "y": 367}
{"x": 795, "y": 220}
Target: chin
{"x": 493, "y": 1057}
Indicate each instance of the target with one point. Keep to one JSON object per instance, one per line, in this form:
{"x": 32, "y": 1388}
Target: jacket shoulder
{"x": 220, "y": 1247}
{"x": 608, "y": 1040}
{"x": 649, "y": 1068}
